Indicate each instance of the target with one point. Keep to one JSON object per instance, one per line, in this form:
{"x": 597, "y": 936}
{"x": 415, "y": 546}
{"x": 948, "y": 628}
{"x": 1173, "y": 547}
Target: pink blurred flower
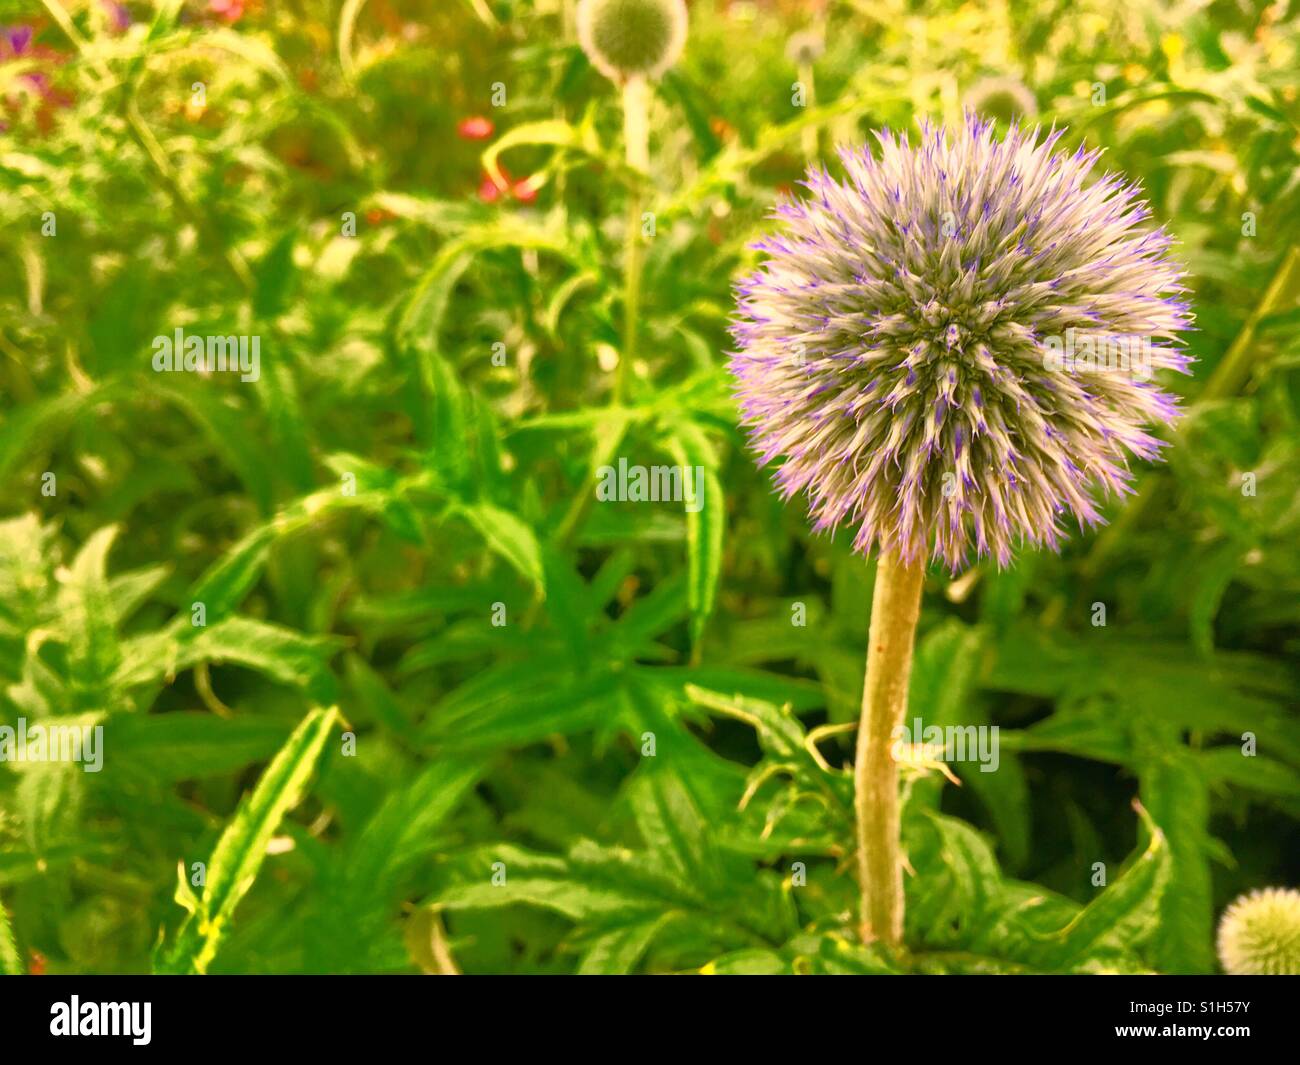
{"x": 489, "y": 191}
{"x": 16, "y": 43}
{"x": 118, "y": 15}
{"x": 524, "y": 191}
{"x": 230, "y": 10}
{"x": 475, "y": 128}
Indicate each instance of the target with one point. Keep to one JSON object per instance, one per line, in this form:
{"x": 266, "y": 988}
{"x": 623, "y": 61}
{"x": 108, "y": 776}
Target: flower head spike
{"x": 951, "y": 348}
{"x": 1259, "y": 934}
{"x": 629, "y": 38}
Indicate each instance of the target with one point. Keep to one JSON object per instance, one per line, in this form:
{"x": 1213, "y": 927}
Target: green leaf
{"x": 510, "y": 538}
{"x": 278, "y": 652}
{"x": 747, "y": 963}
{"x": 617, "y": 952}
{"x": 671, "y": 825}
{"x": 507, "y": 706}
{"x": 275, "y": 276}
{"x": 526, "y": 878}
{"x": 223, "y": 586}
{"x": 778, "y": 730}
{"x": 190, "y": 746}
{"x": 1213, "y": 576}
{"x": 376, "y": 698}
{"x": 242, "y": 848}
{"x": 706, "y": 521}
{"x": 548, "y": 131}
{"x": 86, "y": 611}
{"x": 957, "y": 878}
{"x": 1124, "y": 914}
{"x": 348, "y": 15}
{"x": 358, "y": 895}
{"x": 943, "y": 675}
{"x": 1175, "y": 792}
{"x": 1266, "y": 776}
{"x": 421, "y": 320}
{"x": 10, "y": 963}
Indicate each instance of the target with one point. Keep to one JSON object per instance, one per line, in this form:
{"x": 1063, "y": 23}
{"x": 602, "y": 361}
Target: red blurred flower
{"x": 524, "y": 191}
{"x": 36, "y": 966}
{"x": 475, "y": 128}
{"x": 721, "y": 128}
{"x": 489, "y": 191}
{"x": 230, "y": 10}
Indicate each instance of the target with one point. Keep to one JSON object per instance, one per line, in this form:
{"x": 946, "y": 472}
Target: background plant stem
{"x": 895, "y": 607}
{"x": 636, "y": 139}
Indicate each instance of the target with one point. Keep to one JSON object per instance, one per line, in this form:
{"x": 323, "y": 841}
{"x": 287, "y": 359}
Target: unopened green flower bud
{"x": 1259, "y": 934}
{"x": 631, "y": 38}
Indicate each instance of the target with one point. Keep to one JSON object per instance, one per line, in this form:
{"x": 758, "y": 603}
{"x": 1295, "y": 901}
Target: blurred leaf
{"x": 242, "y": 848}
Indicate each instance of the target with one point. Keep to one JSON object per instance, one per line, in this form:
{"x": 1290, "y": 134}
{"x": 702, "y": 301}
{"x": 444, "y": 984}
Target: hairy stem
{"x": 895, "y": 606}
{"x": 636, "y": 140}
{"x": 810, "y": 138}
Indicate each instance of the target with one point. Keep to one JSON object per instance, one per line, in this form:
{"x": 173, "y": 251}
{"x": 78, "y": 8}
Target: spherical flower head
{"x": 629, "y": 38}
{"x": 805, "y": 47}
{"x": 951, "y": 348}
{"x": 1002, "y": 98}
{"x": 1259, "y": 934}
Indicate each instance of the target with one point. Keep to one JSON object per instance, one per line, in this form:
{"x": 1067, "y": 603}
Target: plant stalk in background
{"x": 632, "y": 42}
{"x": 636, "y": 140}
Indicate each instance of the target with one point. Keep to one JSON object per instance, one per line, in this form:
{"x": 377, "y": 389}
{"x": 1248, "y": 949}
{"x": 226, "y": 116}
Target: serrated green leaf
{"x": 509, "y": 537}
{"x": 10, "y": 963}
{"x": 1175, "y": 793}
{"x": 617, "y": 952}
{"x": 706, "y": 521}
{"x": 240, "y": 851}
{"x": 190, "y": 746}
{"x": 1125, "y": 913}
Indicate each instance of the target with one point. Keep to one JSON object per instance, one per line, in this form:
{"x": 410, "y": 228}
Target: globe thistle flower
{"x": 632, "y": 38}
{"x": 1002, "y": 98}
{"x": 805, "y": 47}
{"x": 895, "y": 349}
{"x": 1259, "y": 934}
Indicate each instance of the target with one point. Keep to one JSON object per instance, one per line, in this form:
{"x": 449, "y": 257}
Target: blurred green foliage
{"x": 416, "y": 463}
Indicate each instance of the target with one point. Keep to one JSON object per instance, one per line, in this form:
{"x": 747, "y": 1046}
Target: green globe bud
{"x": 631, "y": 38}
{"x": 1259, "y": 934}
{"x": 805, "y": 48}
{"x": 1004, "y": 99}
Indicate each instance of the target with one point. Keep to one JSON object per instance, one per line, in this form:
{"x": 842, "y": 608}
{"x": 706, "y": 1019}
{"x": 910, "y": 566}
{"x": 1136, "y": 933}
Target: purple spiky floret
{"x": 896, "y": 333}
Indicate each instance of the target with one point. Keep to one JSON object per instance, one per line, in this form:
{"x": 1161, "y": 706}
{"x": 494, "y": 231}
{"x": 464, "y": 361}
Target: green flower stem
{"x": 810, "y": 138}
{"x": 895, "y": 607}
{"x": 636, "y": 139}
